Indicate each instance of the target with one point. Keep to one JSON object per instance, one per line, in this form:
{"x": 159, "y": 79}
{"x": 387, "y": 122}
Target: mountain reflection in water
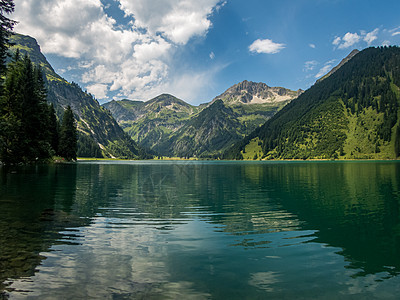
{"x": 201, "y": 230}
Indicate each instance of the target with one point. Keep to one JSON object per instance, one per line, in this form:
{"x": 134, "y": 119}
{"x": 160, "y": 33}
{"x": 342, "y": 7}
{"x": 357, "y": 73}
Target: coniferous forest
{"x": 351, "y": 114}
{"x": 29, "y": 129}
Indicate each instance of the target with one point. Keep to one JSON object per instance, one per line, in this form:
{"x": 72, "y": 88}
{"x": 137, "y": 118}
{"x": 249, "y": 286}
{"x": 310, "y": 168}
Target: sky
{"x": 196, "y": 49}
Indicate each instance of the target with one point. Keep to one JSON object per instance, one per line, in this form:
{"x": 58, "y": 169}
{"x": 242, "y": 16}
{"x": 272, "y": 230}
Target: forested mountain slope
{"x": 169, "y": 126}
{"x": 152, "y": 122}
{"x": 214, "y": 129}
{"x": 352, "y": 114}
{"x": 99, "y": 134}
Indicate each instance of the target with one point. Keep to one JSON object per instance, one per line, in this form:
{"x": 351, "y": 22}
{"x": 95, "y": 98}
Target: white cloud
{"x": 310, "y": 65}
{"x": 220, "y": 5}
{"x": 396, "y": 33}
{"x": 312, "y": 46}
{"x": 266, "y": 46}
{"x": 324, "y": 70}
{"x": 98, "y": 89}
{"x": 351, "y": 39}
{"x": 394, "y": 30}
{"x": 337, "y": 41}
{"x": 185, "y": 85}
{"x": 178, "y": 20}
{"x": 212, "y": 55}
{"x": 133, "y": 60}
{"x": 371, "y": 36}
{"x": 153, "y": 50}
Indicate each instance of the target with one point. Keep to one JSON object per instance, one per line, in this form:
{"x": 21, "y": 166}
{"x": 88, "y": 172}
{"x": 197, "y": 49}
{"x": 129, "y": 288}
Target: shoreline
{"x": 243, "y": 160}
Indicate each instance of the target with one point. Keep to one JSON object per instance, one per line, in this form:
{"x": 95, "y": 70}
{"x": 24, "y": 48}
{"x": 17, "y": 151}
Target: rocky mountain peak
{"x": 248, "y": 92}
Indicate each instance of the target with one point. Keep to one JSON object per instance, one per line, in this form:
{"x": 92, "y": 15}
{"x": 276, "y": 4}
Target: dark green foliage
{"x": 92, "y": 120}
{"x": 54, "y": 128}
{"x": 25, "y": 115}
{"x": 6, "y": 26}
{"x": 153, "y": 122}
{"x": 122, "y": 149}
{"x": 397, "y": 142}
{"x": 315, "y": 124}
{"x": 169, "y": 126}
{"x": 213, "y": 129}
{"x": 87, "y": 147}
{"x": 68, "y": 136}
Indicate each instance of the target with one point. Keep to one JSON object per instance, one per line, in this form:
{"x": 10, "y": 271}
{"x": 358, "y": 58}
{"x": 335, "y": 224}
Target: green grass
{"x": 21, "y": 48}
{"x": 362, "y": 140}
{"x": 253, "y": 150}
{"x": 93, "y": 158}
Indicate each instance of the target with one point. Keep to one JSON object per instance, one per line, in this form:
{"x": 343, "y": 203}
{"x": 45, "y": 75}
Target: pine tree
{"x": 54, "y": 128}
{"x": 24, "y": 114}
{"x": 6, "y": 26}
{"x": 68, "y": 136}
{"x": 43, "y": 137}
{"x": 12, "y": 137}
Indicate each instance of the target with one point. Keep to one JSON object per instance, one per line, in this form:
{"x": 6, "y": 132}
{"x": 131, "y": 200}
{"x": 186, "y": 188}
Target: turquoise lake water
{"x": 200, "y": 230}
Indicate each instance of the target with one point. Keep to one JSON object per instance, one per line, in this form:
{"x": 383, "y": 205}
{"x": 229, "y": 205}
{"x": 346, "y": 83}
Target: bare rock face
{"x": 248, "y": 92}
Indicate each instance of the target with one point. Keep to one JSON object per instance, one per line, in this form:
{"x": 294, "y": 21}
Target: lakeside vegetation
{"x": 29, "y": 128}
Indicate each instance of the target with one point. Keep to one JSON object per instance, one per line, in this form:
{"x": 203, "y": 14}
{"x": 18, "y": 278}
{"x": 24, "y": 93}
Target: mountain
{"x": 151, "y": 123}
{"x": 208, "y": 133}
{"x": 247, "y": 92}
{"x": 351, "y": 114}
{"x": 171, "y": 127}
{"x": 342, "y": 62}
{"x": 99, "y": 133}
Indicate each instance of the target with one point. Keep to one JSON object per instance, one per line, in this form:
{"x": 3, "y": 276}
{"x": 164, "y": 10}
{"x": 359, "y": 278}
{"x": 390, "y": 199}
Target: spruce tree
{"x": 54, "y": 128}
{"x": 12, "y": 137}
{"x": 68, "y": 136}
{"x": 9, "y": 123}
{"x": 24, "y": 113}
{"x": 6, "y": 26}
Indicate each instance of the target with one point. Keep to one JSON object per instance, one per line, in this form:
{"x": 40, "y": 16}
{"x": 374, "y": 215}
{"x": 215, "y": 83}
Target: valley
{"x": 350, "y": 113}
{"x": 168, "y": 126}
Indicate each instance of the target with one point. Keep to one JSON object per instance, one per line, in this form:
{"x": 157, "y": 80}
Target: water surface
{"x": 201, "y": 230}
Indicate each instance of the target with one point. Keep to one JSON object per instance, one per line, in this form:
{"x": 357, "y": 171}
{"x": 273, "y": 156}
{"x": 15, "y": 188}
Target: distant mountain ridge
{"x": 206, "y": 134}
{"x": 169, "y": 126}
{"x": 352, "y": 114}
{"x": 247, "y": 92}
{"x": 151, "y": 122}
{"x": 99, "y": 133}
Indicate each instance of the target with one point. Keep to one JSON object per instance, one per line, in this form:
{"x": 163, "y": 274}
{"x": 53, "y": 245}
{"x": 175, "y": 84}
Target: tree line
{"x": 29, "y": 128}
{"x": 371, "y": 79}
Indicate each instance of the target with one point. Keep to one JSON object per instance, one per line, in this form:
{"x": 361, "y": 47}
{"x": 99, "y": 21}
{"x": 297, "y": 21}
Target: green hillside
{"x": 99, "y": 134}
{"x": 151, "y": 123}
{"x": 352, "y": 114}
{"x": 171, "y": 127}
{"x": 214, "y": 129}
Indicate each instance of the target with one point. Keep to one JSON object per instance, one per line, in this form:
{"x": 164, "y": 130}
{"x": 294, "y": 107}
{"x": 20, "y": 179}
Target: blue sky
{"x": 196, "y": 49}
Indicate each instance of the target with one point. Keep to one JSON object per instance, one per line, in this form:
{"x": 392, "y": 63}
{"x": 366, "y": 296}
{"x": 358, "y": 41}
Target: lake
{"x": 200, "y": 230}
